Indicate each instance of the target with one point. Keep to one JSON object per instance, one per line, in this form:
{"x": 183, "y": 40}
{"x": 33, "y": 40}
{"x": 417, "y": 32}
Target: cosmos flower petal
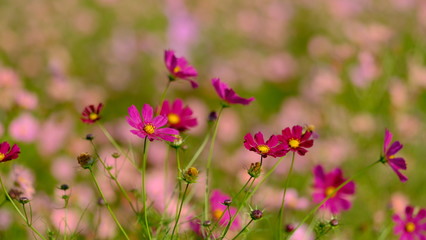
{"x": 395, "y": 147}
{"x": 147, "y": 113}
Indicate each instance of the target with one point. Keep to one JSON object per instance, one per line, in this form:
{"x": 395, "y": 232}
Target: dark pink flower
{"x": 396, "y": 163}
{"x": 150, "y": 127}
{"x": 296, "y": 140}
{"x": 228, "y": 94}
{"x": 179, "y": 68}
{"x": 7, "y": 153}
{"x": 412, "y": 227}
{"x": 90, "y": 114}
{"x": 178, "y": 116}
{"x": 218, "y": 209}
{"x": 258, "y": 145}
{"x": 324, "y": 186}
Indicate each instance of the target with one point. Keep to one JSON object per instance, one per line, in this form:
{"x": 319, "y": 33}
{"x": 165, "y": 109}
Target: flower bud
{"x": 190, "y": 175}
{"x": 255, "y": 170}
{"x": 177, "y": 142}
{"x": 85, "y": 160}
{"x": 90, "y": 137}
{"x": 334, "y": 222}
{"x": 115, "y": 155}
{"x": 289, "y": 228}
{"x": 256, "y": 214}
{"x": 227, "y": 202}
{"x": 64, "y": 187}
{"x": 212, "y": 116}
{"x": 24, "y": 200}
{"x": 207, "y": 223}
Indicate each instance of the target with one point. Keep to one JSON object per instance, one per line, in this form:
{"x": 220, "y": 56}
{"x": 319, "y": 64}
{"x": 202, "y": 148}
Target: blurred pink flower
{"x": 412, "y": 227}
{"x": 23, "y": 181}
{"x": 52, "y": 135}
{"x": 5, "y": 219}
{"x": 107, "y": 227}
{"x": 24, "y": 128}
{"x": 64, "y": 168}
{"x": 302, "y": 233}
{"x": 398, "y": 203}
{"x": 217, "y": 209}
{"x": 179, "y": 116}
{"x": 366, "y": 71}
{"x": 9, "y": 78}
{"x": 26, "y": 100}
{"x": 326, "y": 183}
{"x": 228, "y": 94}
{"x": 66, "y": 221}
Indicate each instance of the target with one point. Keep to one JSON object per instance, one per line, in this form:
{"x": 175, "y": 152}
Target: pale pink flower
{"x": 64, "y": 168}
{"x": 107, "y": 228}
{"x": 65, "y": 221}
{"x": 26, "y": 100}
{"x": 53, "y": 134}
{"x": 302, "y": 233}
{"x": 5, "y": 219}
{"x": 24, "y": 128}
{"x": 23, "y": 181}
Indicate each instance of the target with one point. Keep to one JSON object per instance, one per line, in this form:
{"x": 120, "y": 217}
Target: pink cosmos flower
{"x": 90, "y": 114}
{"x": 396, "y": 163}
{"x": 295, "y": 140}
{"x": 7, "y": 153}
{"x": 413, "y": 227}
{"x": 23, "y": 181}
{"x": 218, "y": 209}
{"x": 326, "y": 183}
{"x": 258, "y": 145}
{"x": 179, "y": 68}
{"x": 24, "y": 128}
{"x": 150, "y": 127}
{"x": 228, "y": 94}
{"x": 178, "y": 117}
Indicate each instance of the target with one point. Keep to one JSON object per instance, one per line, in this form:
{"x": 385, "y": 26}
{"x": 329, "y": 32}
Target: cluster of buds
{"x": 85, "y": 160}
{"x": 255, "y": 170}
{"x": 177, "y": 143}
{"x": 190, "y": 175}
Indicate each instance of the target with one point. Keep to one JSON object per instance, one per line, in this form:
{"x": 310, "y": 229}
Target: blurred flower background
{"x": 350, "y": 68}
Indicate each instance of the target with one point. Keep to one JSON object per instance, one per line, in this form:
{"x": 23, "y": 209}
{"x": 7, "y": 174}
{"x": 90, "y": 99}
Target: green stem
{"x": 180, "y": 210}
{"x": 19, "y": 211}
{"x": 144, "y": 159}
{"x": 217, "y": 223}
{"x": 242, "y": 230}
{"x": 244, "y": 186}
{"x": 199, "y": 151}
{"x": 330, "y": 195}
{"x": 115, "y": 144}
{"x": 246, "y": 197}
{"x": 281, "y": 212}
{"x": 114, "y": 178}
{"x": 250, "y": 193}
{"x": 209, "y": 161}
{"x": 107, "y": 204}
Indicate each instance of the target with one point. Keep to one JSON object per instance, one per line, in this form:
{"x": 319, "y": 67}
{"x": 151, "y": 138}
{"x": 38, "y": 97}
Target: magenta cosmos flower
{"x": 179, "y": 68}
{"x": 178, "y": 116}
{"x": 396, "y": 163}
{"x": 324, "y": 186}
{"x": 269, "y": 148}
{"x": 228, "y": 94}
{"x": 218, "y": 209}
{"x": 412, "y": 227}
{"x": 295, "y": 140}
{"x": 90, "y": 113}
{"x": 7, "y": 153}
{"x": 150, "y": 127}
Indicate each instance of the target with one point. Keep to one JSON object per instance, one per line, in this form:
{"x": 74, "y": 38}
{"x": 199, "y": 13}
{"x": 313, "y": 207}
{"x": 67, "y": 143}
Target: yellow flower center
{"x": 93, "y": 116}
{"x": 294, "y": 143}
{"x": 176, "y": 69}
{"x": 391, "y": 156}
{"x": 149, "y": 128}
{"x": 2, "y": 156}
{"x": 329, "y": 191}
{"x": 263, "y": 149}
{"x": 192, "y": 171}
{"x": 217, "y": 214}
{"x": 410, "y": 227}
{"x": 173, "y": 118}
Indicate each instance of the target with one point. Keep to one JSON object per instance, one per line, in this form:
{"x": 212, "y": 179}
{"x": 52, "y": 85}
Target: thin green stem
{"x": 114, "y": 178}
{"x": 209, "y": 162}
{"x": 199, "y": 151}
{"x": 250, "y": 193}
{"x": 232, "y": 218}
{"x": 180, "y": 210}
{"x": 242, "y": 230}
{"x": 217, "y": 222}
{"x": 107, "y": 204}
{"x": 145, "y": 210}
{"x": 179, "y": 182}
{"x": 115, "y": 144}
{"x": 281, "y": 212}
{"x": 19, "y": 211}
{"x": 331, "y": 195}
{"x": 244, "y": 186}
